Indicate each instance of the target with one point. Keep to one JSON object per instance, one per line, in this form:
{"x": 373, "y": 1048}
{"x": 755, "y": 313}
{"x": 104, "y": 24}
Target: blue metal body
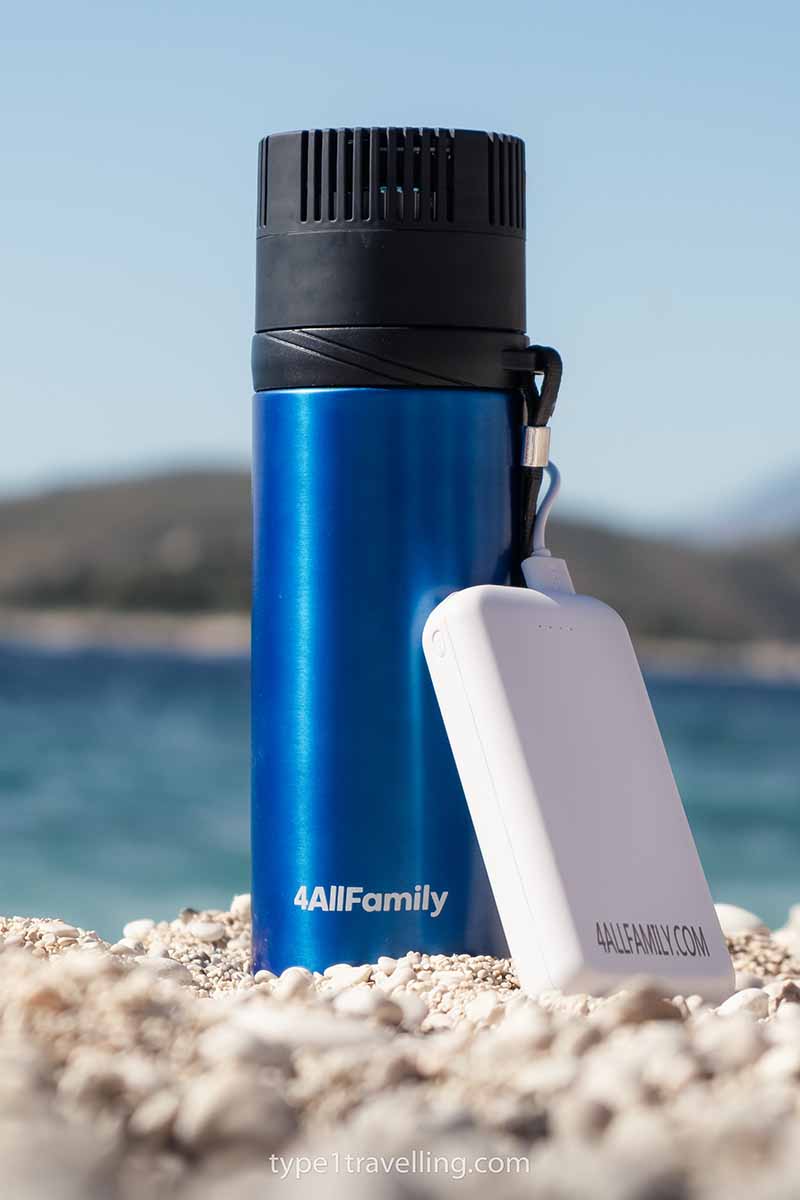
{"x": 370, "y": 506}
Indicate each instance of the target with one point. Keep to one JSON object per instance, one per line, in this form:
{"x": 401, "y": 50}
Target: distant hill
{"x": 180, "y": 542}
{"x": 771, "y": 509}
{"x": 177, "y": 541}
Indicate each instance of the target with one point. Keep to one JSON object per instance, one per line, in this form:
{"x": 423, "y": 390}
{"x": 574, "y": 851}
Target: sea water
{"x": 124, "y": 783}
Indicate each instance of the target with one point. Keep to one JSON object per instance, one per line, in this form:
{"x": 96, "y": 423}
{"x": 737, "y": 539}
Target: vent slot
{"x": 304, "y": 177}
{"x": 263, "y": 164}
{"x": 316, "y": 175}
{"x": 506, "y": 181}
{"x": 329, "y": 171}
{"x": 347, "y": 155}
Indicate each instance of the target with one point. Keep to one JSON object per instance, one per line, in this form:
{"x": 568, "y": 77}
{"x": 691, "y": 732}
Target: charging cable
{"x": 540, "y": 570}
{"x": 539, "y": 548}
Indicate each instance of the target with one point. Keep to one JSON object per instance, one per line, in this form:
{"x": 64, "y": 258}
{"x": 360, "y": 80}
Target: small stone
{"x": 789, "y": 941}
{"x": 413, "y": 1008}
{"x": 306, "y": 1028}
{"x": 343, "y": 976}
{"x": 241, "y": 907}
{"x": 138, "y": 930}
{"x": 386, "y": 965}
{"x": 228, "y": 1042}
{"x": 388, "y": 1011}
{"x": 671, "y": 1073}
{"x": 229, "y": 1107}
{"x": 359, "y": 1002}
{"x": 753, "y": 1001}
{"x": 641, "y": 1002}
{"x": 155, "y": 1115}
{"x": 206, "y": 931}
{"x": 166, "y": 968}
{"x": 484, "y": 1009}
{"x": 125, "y": 948}
{"x": 264, "y": 976}
{"x": 526, "y": 1029}
{"x": 735, "y": 920}
{"x": 779, "y": 1063}
{"x": 398, "y": 978}
{"x": 60, "y": 929}
{"x": 789, "y": 993}
{"x": 725, "y": 1044}
{"x": 293, "y": 982}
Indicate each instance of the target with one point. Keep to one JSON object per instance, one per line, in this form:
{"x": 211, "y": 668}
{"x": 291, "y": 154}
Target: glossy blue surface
{"x": 370, "y": 506}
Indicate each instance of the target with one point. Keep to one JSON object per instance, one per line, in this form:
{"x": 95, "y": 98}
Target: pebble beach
{"x": 158, "y": 1067}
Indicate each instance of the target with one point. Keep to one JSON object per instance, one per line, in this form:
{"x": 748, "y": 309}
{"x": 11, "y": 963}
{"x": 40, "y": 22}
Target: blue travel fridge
{"x": 392, "y": 376}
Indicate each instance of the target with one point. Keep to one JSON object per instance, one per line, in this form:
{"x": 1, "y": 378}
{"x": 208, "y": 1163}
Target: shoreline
{"x": 225, "y": 634}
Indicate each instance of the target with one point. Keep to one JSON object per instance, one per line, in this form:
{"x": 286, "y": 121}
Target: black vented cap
{"x": 391, "y": 228}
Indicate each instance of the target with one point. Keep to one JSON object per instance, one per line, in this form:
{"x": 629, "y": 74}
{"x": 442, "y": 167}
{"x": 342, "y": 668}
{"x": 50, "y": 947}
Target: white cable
{"x": 541, "y": 571}
{"x": 543, "y": 512}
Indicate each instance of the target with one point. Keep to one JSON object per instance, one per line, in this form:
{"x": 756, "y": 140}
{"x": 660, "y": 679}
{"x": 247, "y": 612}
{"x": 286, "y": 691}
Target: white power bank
{"x": 590, "y": 856}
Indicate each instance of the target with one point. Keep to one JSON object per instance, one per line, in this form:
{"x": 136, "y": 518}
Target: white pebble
{"x": 125, "y": 948}
{"x": 413, "y": 1008}
{"x": 343, "y": 976}
{"x": 334, "y": 968}
{"x": 728, "y": 1043}
{"x": 483, "y": 1009}
{"x": 228, "y": 1042}
{"x": 398, "y": 978}
{"x": 735, "y": 920}
{"x": 264, "y": 976}
{"x": 386, "y": 964}
{"x": 788, "y": 939}
{"x": 294, "y": 982}
{"x": 781, "y": 1062}
{"x": 358, "y": 1002}
{"x": 206, "y": 931}
{"x": 240, "y": 907}
{"x": 310, "y": 1028}
{"x": 753, "y": 1001}
{"x": 139, "y": 929}
{"x": 60, "y": 929}
{"x": 166, "y": 968}
{"x": 227, "y": 1108}
{"x": 155, "y": 1115}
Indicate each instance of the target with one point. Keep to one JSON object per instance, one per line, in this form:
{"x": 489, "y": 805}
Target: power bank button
{"x": 439, "y": 643}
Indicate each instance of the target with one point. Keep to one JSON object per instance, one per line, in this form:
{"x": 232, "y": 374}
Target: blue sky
{"x": 664, "y": 239}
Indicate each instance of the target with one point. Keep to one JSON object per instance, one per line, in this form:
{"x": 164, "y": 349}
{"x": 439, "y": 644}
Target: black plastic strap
{"x": 540, "y": 401}
{"x": 533, "y": 361}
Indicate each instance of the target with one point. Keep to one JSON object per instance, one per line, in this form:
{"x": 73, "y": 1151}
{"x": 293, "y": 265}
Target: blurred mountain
{"x": 173, "y": 541}
{"x": 769, "y": 510}
{"x": 180, "y": 542}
